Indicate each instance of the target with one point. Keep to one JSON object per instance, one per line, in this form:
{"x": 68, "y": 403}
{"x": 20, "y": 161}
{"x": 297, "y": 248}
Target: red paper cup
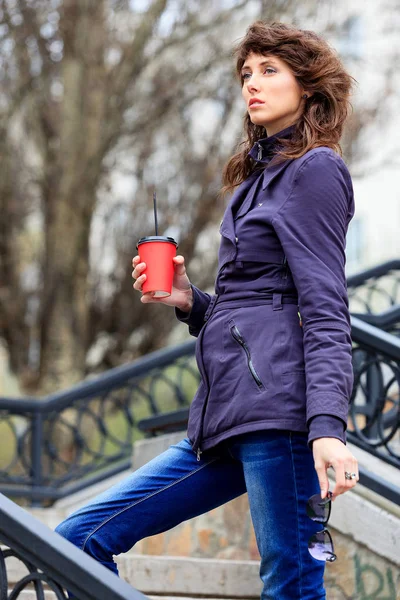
{"x": 157, "y": 252}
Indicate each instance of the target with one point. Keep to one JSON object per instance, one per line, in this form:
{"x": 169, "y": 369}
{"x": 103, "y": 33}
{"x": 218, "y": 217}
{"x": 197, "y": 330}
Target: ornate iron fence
{"x": 50, "y": 562}
{"x": 374, "y": 296}
{"x": 58, "y": 445}
{"x": 374, "y": 418}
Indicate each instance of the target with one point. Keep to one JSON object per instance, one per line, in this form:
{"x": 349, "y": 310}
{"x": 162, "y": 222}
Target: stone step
{"x": 192, "y": 577}
{"x": 187, "y": 578}
{"x": 31, "y": 595}
{"x": 176, "y": 578}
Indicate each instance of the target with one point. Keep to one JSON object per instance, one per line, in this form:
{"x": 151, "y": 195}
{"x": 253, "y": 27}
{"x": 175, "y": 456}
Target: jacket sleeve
{"x": 195, "y": 319}
{"x": 312, "y": 225}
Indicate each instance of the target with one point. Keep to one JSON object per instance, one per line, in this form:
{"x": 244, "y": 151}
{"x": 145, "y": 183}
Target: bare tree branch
{"x": 132, "y": 60}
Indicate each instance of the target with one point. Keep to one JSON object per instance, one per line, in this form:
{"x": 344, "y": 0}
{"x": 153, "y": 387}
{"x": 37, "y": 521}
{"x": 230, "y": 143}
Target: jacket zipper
{"x": 198, "y": 451}
{"x": 197, "y": 440}
{"x": 260, "y": 151}
{"x": 285, "y": 268}
{"x": 239, "y": 338}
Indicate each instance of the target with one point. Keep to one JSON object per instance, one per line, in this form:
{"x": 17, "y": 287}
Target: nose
{"x": 253, "y": 84}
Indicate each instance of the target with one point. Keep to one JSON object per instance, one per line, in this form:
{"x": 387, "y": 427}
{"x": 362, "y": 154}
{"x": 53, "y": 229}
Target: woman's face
{"x": 272, "y": 94}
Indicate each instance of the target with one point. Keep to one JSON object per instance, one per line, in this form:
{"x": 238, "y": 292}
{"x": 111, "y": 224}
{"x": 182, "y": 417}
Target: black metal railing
{"x": 53, "y": 447}
{"x": 374, "y": 296}
{"x": 49, "y": 562}
{"x": 374, "y": 418}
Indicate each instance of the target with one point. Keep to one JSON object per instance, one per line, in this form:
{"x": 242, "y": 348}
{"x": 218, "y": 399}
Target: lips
{"x": 255, "y": 102}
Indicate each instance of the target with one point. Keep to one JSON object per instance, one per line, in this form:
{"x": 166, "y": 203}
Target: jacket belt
{"x": 277, "y": 299}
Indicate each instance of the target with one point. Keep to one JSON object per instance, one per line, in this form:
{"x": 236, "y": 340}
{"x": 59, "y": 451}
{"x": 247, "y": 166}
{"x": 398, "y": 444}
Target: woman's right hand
{"x": 181, "y": 295}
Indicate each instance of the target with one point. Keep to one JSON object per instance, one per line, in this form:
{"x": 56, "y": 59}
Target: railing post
{"x": 36, "y": 452}
{"x": 374, "y": 390}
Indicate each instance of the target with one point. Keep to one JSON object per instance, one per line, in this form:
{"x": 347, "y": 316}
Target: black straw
{"x": 155, "y": 211}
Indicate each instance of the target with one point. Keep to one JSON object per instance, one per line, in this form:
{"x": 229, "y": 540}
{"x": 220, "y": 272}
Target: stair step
{"x": 191, "y": 577}
{"x": 186, "y": 578}
{"x": 31, "y": 595}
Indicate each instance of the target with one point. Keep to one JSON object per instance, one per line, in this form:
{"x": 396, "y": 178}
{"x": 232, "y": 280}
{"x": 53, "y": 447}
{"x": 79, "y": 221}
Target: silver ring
{"x": 348, "y": 475}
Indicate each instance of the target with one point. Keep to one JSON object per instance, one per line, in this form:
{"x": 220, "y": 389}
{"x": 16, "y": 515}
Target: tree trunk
{"x": 70, "y": 196}
{"x": 13, "y": 300}
{"x": 65, "y": 298}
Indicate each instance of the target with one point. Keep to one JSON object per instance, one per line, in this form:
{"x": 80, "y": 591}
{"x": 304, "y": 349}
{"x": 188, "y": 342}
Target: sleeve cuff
{"x": 326, "y": 426}
{"x": 195, "y": 319}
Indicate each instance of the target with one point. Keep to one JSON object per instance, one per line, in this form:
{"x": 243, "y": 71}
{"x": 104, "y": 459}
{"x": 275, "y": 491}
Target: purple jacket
{"x": 274, "y": 344}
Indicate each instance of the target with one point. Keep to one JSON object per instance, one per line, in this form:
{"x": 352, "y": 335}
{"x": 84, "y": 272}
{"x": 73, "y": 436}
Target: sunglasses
{"x": 320, "y": 545}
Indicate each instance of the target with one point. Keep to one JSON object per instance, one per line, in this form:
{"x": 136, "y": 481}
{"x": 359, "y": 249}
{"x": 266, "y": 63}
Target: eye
{"x": 245, "y": 76}
{"x": 269, "y": 70}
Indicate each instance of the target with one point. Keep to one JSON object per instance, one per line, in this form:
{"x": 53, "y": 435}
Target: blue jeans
{"x": 274, "y": 467}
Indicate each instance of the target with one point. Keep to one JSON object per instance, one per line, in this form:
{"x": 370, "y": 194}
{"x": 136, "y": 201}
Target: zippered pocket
{"x": 237, "y": 336}
{"x": 285, "y": 268}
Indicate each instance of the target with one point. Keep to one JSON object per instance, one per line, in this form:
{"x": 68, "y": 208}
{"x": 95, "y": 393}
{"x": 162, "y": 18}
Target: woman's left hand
{"x": 331, "y": 452}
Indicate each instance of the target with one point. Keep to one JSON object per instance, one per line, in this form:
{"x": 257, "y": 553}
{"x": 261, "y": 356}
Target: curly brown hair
{"x": 319, "y": 70}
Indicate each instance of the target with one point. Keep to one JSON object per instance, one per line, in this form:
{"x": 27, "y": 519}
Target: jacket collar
{"x": 243, "y": 196}
{"x": 265, "y": 149}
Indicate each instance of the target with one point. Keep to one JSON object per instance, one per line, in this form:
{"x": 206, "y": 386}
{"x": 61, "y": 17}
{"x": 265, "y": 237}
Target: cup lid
{"x": 156, "y": 238}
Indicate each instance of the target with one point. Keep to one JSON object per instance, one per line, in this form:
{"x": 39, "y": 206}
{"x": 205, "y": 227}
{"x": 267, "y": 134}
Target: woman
{"x": 274, "y": 345}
